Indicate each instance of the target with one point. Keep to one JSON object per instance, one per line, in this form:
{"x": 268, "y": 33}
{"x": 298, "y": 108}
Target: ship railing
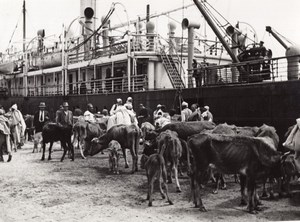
{"x": 33, "y": 91}
{"x": 274, "y": 69}
{"x": 108, "y": 85}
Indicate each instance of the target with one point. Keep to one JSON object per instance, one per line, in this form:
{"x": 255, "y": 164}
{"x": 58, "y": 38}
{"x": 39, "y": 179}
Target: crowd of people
{"x": 12, "y": 123}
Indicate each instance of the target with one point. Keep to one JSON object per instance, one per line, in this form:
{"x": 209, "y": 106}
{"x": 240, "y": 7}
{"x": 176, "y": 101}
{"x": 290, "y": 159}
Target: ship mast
{"x": 24, "y": 25}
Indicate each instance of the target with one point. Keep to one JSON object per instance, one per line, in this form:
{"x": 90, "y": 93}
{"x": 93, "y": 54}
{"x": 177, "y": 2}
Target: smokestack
{"x": 190, "y": 25}
{"x": 87, "y": 15}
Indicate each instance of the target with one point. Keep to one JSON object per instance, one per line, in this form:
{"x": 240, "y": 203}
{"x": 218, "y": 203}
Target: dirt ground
{"x": 85, "y": 190}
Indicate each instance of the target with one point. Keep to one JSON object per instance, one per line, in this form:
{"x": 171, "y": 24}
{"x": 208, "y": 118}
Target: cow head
{"x": 97, "y": 145}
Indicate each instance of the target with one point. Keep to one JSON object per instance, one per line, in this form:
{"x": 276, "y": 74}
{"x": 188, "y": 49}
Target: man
{"x": 88, "y": 115}
{"x": 207, "y": 115}
{"x": 115, "y": 106}
{"x": 65, "y": 117}
{"x": 186, "y": 112}
{"x": 18, "y": 125}
{"x": 156, "y": 112}
{"x": 40, "y": 118}
{"x": 4, "y": 129}
{"x": 196, "y": 113}
{"x": 143, "y": 115}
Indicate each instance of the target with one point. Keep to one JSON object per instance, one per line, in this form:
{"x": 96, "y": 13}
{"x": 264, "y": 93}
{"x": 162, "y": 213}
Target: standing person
{"x": 65, "y": 117}
{"x": 115, "y": 106}
{"x": 156, "y": 112}
{"x": 60, "y": 109}
{"x": 185, "y": 112}
{"x": 40, "y": 118}
{"x": 77, "y": 111}
{"x": 143, "y": 115}
{"x": 196, "y": 113}
{"x": 207, "y": 115}
{"x": 4, "y": 129}
{"x": 89, "y": 115}
{"x": 18, "y": 126}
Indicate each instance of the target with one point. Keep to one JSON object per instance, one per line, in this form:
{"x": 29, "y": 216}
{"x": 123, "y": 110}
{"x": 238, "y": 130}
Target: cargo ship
{"x": 242, "y": 84}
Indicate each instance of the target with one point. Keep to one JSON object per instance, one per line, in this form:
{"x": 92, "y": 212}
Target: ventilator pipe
{"x": 150, "y": 27}
{"x": 172, "y": 43}
{"x": 293, "y": 58}
{"x": 190, "y": 25}
{"x": 105, "y": 38}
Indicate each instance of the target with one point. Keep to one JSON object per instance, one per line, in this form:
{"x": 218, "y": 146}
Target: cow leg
{"x": 243, "y": 180}
{"x": 134, "y": 160}
{"x": 44, "y": 148}
{"x": 175, "y": 169}
{"x": 50, "y": 150}
{"x": 251, "y": 195}
{"x": 264, "y": 193}
{"x": 223, "y": 182}
{"x": 164, "y": 181}
{"x": 199, "y": 200}
{"x": 84, "y": 144}
{"x": 125, "y": 157}
{"x": 71, "y": 149}
{"x": 169, "y": 172}
{"x": 64, "y": 145}
{"x": 217, "y": 183}
{"x": 150, "y": 189}
{"x": 1, "y": 154}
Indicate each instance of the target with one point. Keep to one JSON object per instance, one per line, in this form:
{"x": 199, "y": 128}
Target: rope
{"x": 14, "y": 30}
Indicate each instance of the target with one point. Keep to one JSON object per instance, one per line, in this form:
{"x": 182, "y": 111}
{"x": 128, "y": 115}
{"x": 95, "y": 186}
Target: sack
{"x": 293, "y": 140}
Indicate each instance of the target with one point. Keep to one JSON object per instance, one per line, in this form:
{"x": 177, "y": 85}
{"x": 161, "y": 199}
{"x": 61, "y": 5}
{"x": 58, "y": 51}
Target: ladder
{"x": 172, "y": 70}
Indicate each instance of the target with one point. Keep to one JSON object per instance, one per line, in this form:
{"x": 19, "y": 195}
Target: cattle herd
{"x": 203, "y": 150}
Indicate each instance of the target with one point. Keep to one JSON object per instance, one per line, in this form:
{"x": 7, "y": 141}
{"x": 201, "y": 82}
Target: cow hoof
{"x": 170, "y": 202}
{"x": 49, "y": 158}
{"x": 149, "y": 204}
{"x": 178, "y": 190}
{"x": 42, "y": 159}
{"x": 202, "y": 209}
{"x": 258, "y": 208}
{"x": 253, "y": 212}
{"x": 224, "y": 187}
{"x": 243, "y": 203}
{"x": 163, "y": 196}
{"x": 264, "y": 195}
{"x": 9, "y": 158}
{"x": 215, "y": 192}
{"x": 126, "y": 166}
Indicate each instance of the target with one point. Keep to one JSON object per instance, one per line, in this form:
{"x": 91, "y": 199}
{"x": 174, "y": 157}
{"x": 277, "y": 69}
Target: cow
{"x": 127, "y": 135}
{"x": 248, "y": 156}
{"x": 169, "y": 142}
{"x": 186, "y": 129}
{"x": 37, "y": 139}
{"x": 156, "y": 169}
{"x": 83, "y": 133}
{"x": 53, "y": 132}
{"x": 113, "y": 156}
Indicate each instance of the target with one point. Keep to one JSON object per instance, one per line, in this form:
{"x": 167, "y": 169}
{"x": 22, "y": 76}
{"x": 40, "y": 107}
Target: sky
{"x": 283, "y": 16}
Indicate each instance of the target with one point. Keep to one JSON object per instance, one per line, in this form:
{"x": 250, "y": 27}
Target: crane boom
{"x": 269, "y": 29}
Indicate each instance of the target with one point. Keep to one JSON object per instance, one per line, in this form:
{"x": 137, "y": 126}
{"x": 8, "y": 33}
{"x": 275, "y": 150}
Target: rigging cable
{"x": 14, "y": 30}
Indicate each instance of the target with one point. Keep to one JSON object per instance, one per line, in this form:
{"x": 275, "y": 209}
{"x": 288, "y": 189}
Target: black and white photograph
{"x": 148, "y": 110}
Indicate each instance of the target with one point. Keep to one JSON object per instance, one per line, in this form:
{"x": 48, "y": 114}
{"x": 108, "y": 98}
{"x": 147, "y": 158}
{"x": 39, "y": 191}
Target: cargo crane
{"x": 292, "y": 53}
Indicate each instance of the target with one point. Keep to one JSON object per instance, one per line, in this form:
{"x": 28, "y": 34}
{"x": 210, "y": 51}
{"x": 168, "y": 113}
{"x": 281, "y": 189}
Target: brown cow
{"x": 186, "y": 129}
{"x": 248, "y": 156}
{"x": 156, "y": 169}
{"x": 83, "y": 133}
{"x": 127, "y": 135}
{"x": 169, "y": 142}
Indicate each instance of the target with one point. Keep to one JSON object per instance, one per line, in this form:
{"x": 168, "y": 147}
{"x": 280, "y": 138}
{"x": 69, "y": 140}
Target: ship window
{"x": 55, "y": 79}
{"x": 29, "y": 81}
{"x": 49, "y": 80}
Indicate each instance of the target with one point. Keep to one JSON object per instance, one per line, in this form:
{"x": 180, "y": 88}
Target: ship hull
{"x": 274, "y": 103}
